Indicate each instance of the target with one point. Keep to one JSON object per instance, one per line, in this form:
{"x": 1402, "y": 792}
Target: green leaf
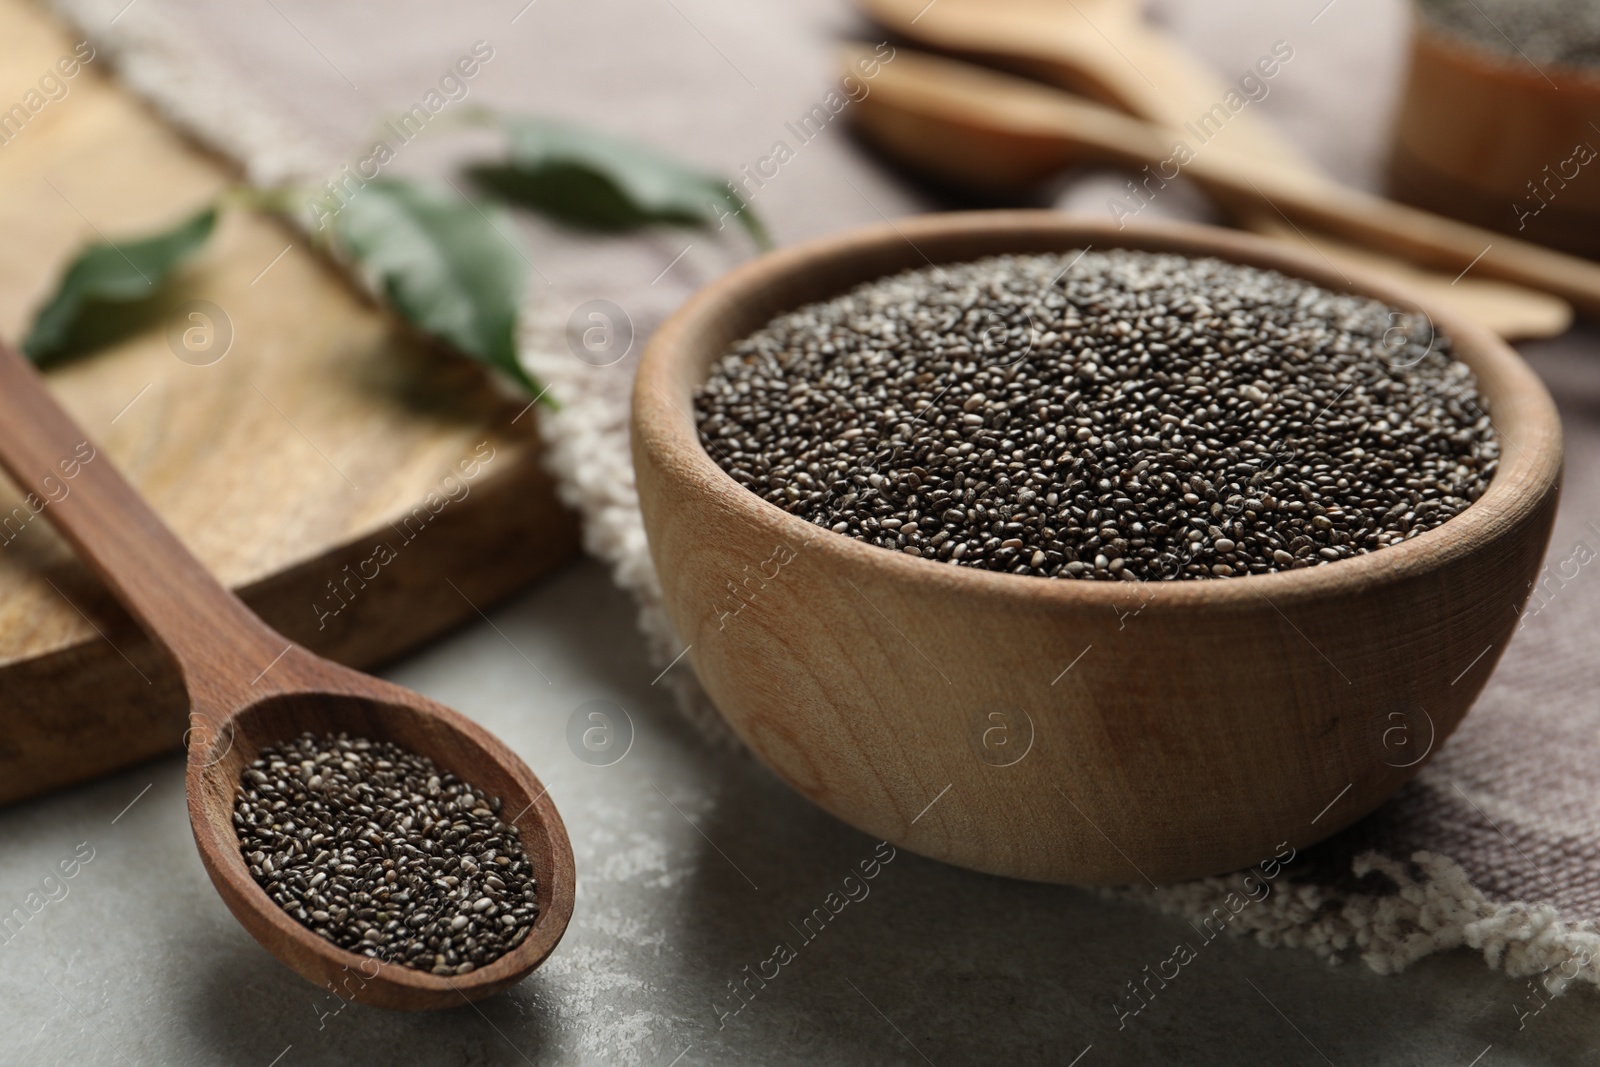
{"x": 452, "y": 268}
{"x": 84, "y": 311}
{"x": 592, "y": 179}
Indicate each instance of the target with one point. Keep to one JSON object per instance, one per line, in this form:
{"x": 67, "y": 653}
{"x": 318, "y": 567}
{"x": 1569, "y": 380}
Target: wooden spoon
{"x": 1513, "y": 312}
{"x": 249, "y": 688}
{"x": 1002, "y": 132}
{"x": 1106, "y": 50}
{"x": 1102, "y": 49}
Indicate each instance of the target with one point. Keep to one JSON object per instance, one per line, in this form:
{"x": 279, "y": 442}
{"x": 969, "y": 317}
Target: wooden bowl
{"x": 1075, "y": 731}
{"x": 1492, "y": 140}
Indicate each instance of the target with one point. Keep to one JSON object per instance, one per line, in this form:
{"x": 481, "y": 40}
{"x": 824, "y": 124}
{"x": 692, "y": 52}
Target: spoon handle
{"x": 218, "y": 643}
{"x": 934, "y": 104}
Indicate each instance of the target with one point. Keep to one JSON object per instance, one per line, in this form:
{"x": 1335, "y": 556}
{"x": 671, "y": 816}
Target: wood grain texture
{"x": 1177, "y": 729}
{"x": 1489, "y": 139}
{"x": 248, "y": 687}
{"x": 997, "y": 131}
{"x": 1108, "y": 51}
{"x": 312, "y": 443}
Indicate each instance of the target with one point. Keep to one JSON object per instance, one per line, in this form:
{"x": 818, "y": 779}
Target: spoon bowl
{"x": 250, "y": 688}
{"x": 328, "y": 699}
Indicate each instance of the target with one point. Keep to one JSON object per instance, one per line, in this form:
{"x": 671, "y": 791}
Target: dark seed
{"x": 376, "y": 806}
{"x": 1551, "y": 31}
{"x": 1104, "y": 416}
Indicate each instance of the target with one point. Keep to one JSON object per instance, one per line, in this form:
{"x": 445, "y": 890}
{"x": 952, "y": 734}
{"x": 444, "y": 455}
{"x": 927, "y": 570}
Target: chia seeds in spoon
{"x": 1104, "y": 415}
{"x": 376, "y": 850}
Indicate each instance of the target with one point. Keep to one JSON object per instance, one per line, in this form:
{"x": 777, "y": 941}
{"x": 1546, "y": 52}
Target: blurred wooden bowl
{"x": 1493, "y": 140}
{"x": 1075, "y": 731}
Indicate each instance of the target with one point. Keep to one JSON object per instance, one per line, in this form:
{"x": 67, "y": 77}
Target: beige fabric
{"x": 1495, "y": 846}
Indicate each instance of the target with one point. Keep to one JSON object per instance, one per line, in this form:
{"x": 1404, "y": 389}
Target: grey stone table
{"x": 693, "y": 863}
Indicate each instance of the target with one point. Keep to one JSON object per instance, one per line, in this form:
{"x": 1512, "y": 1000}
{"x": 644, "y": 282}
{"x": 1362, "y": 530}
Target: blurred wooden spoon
{"x": 1104, "y": 49}
{"x": 999, "y": 132}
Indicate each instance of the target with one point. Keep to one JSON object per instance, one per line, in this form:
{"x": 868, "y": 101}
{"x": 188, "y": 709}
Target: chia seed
{"x": 1104, "y": 415}
{"x": 1533, "y": 31}
{"x": 375, "y": 849}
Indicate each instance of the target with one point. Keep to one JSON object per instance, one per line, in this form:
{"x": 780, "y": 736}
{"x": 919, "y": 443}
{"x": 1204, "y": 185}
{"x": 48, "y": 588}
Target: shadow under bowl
{"x": 1076, "y": 731}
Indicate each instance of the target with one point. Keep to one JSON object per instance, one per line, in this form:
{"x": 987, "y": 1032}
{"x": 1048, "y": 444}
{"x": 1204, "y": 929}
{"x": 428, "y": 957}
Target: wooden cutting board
{"x": 362, "y": 492}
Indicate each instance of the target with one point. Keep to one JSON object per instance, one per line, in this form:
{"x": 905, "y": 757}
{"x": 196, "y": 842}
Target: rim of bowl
{"x": 1519, "y": 405}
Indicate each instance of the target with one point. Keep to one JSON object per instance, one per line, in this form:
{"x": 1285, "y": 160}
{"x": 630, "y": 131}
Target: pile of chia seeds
{"x": 374, "y": 849}
{"x": 1539, "y": 31}
{"x": 1104, "y": 415}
